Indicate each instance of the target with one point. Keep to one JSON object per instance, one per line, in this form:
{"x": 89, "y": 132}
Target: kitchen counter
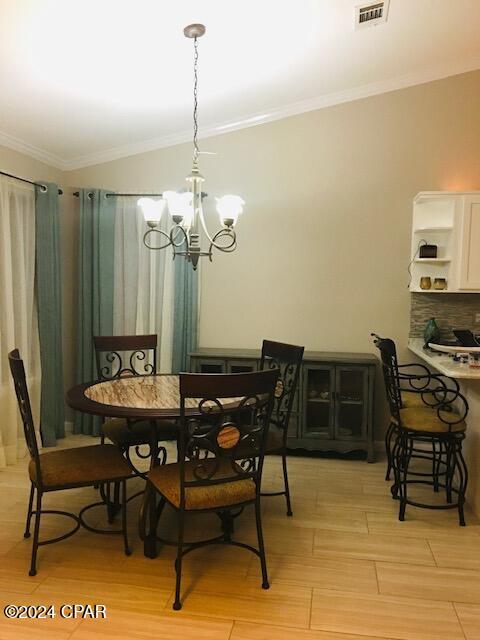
{"x": 442, "y": 362}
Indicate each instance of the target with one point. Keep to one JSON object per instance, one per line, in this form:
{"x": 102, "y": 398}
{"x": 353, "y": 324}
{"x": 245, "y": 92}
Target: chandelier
{"x": 185, "y": 207}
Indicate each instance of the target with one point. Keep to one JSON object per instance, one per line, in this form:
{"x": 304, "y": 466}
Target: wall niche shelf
{"x": 451, "y": 221}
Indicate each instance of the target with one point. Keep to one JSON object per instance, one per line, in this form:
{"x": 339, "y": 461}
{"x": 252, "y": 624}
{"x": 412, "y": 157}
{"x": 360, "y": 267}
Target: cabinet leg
{"x": 370, "y": 453}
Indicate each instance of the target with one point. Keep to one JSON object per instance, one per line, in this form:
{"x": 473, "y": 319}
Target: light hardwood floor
{"x": 343, "y": 568}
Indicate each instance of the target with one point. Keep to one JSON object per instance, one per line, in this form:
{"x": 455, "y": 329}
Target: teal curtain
{"x": 49, "y": 300}
{"x": 185, "y": 313}
{"x": 95, "y": 288}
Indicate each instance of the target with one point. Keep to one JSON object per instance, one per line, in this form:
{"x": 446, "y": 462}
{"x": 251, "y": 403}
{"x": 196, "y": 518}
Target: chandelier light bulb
{"x": 180, "y": 207}
{"x": 152, "y": 210}
{"x": 229, "y": 208}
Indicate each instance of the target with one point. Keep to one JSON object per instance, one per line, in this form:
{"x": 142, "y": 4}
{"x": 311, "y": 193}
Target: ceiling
{"x": 85, "y": 81}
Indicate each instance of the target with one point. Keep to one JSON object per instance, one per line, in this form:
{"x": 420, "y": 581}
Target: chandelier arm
{"x": 162, "y": 233}
{"x": 173, "y": 234}
{"x": 229, "y": 231}
{"x": 225, "y": 248}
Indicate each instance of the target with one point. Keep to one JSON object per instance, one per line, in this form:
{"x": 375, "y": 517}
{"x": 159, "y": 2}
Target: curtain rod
{"x": 35, "y": 184}
{"x": 132, "y": 195}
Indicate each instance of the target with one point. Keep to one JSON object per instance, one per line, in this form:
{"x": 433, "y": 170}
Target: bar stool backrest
{"x": 388, "y": 355}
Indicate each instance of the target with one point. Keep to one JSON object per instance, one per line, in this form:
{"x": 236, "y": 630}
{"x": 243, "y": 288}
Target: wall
{"x": 25, "y": 167}
{"x": 325, "y": 238}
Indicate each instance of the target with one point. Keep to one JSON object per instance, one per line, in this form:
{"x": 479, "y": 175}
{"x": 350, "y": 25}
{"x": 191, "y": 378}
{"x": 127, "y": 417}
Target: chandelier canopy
{"x": 185, "y": 207}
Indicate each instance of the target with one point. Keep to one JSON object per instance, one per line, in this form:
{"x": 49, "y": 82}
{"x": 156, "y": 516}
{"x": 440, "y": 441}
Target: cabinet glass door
{"x": 318, "y": 391}
{"x": 241, "y": 366}
{"x": 351, "y": 403}
{"x": 210, "y": 365}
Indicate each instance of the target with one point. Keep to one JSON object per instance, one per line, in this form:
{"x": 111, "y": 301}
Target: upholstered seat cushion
{"x": 166, "y": 479}
{"x": 80, "y": 466}
{"x": 410, "y": 399}
{"x": 123, "y": 435}
{"x": 427, "y": 420}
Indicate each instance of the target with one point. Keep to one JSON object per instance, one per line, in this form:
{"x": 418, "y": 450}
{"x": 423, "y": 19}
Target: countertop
{"x": 442, "y": 362}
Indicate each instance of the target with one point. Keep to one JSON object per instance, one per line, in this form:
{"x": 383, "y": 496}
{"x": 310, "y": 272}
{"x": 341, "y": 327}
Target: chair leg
{"x": 287, "y": 488}
{"x": 29, "y": 512}
{"x": 36, "y": 533}
{"x": 388, "y": 449}
{"x": 150, "y": 512}
{"x": 177, "y": 605}
{"x": 261, "y": 546}
{"x": 394, "y": 462}
{"x": 461, "y": 467}
{"x": 124, "y": 518}
{"x": 450, "y": 472}
{"x": 436, "y": 457}
{"x": 406, "y": 454}
{"x": 113, "y": 504}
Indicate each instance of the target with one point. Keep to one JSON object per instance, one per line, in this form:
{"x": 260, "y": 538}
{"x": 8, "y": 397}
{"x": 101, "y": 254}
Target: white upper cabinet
{"x": 450, "y": 220}
{"x": 470, "y": 245}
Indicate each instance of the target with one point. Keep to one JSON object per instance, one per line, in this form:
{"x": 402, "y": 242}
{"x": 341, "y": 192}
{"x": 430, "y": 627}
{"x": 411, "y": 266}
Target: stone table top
{"x": 139, "y": 392}
{"x": 156, "y": 396}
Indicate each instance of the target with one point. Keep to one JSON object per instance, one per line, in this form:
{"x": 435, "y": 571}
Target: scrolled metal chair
{"x": 288, "y": 359}
{"x": 220, "y": 461}
{"x": 65, "y": 469}
{"x": 438, "y": 421}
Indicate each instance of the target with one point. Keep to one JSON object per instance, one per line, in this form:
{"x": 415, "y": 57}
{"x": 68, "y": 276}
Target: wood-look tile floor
{"x": 343, "y": 568}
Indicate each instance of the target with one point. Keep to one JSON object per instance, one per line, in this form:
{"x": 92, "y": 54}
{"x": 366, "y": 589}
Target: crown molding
{"x": 31, "y": 150}
{"x": 251, "y": 120}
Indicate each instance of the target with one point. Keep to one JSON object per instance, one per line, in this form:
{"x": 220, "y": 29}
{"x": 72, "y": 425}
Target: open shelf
{"x": 433, "y": 260}
{"x": 418, "y": 290}
{"x": 424, "y": 229}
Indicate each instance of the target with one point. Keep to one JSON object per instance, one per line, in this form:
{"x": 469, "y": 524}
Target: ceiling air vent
{"x": 368, "y": 15}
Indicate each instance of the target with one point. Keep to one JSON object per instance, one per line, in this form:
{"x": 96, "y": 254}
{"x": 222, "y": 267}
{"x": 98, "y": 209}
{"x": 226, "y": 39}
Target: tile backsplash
{"x": 450, "y": 310}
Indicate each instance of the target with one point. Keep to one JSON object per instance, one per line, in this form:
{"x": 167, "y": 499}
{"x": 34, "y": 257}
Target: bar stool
{"x": 439, "y": 423}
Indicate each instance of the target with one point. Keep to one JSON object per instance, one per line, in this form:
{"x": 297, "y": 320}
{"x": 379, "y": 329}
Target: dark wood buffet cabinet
{"x": 333, "y": 408}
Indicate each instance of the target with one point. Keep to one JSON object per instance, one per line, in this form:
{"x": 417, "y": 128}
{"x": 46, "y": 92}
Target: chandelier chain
{"x": 195, "y": 100}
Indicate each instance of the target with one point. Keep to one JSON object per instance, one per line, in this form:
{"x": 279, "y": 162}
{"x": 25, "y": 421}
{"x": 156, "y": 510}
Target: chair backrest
{"x": 222, "y": 445}
{"x": 19, "y": 380}
{"x": 288, "y": 359}
{"x": 388, "y": 355}
{"x": 118, "y": 356}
